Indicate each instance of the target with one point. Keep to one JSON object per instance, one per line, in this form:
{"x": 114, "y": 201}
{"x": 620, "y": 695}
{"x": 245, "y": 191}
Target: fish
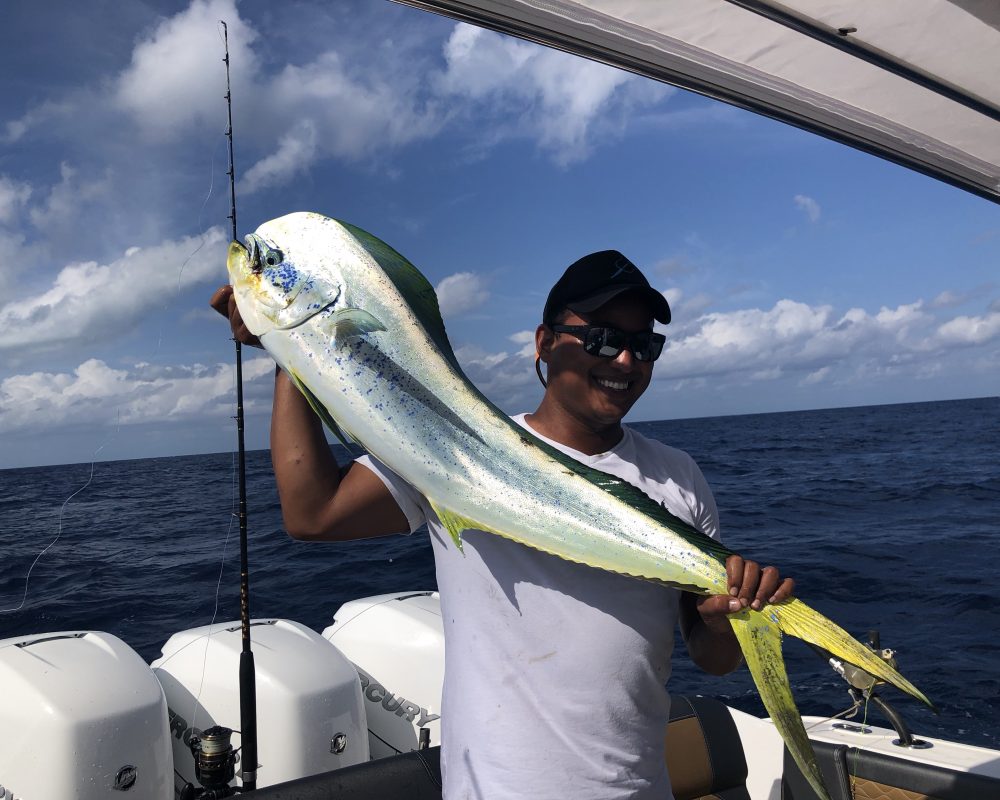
{"x": 358, "y": 329}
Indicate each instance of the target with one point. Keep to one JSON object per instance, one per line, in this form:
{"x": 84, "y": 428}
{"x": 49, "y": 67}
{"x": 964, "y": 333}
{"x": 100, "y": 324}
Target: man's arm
{"x": 709, "y": 636}
{"x": 319, "y": 501}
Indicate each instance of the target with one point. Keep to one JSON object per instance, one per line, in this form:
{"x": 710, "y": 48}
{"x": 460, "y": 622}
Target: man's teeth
{"x": 621, "y": 386}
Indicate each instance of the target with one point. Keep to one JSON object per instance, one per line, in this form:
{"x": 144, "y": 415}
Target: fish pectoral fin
{"x": 760, "y": 639}
{"x": 797, "y": 619}
{"x": 345, "y": 438}
{"x": 456, "y": 523}
{"x": 350, "y": 323}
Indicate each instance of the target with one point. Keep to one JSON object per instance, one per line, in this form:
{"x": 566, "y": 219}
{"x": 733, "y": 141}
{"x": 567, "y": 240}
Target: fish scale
{"x": 357, "y": 327}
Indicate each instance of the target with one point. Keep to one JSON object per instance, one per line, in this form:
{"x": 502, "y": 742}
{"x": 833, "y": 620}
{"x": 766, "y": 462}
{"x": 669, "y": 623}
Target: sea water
{"x": 888, "y": 517}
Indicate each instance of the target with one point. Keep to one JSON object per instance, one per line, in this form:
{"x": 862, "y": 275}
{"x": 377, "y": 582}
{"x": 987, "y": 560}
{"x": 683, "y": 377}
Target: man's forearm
{"x": 712, "y": 644}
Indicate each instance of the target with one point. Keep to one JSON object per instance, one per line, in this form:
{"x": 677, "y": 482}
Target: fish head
{"x": 279, "y": 280}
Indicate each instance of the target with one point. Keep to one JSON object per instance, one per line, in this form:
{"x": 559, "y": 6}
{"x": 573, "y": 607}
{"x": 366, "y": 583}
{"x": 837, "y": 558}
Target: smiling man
{"x": 555, "y": 672}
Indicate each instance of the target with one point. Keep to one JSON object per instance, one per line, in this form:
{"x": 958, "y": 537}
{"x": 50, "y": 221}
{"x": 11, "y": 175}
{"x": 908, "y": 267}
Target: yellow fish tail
{"x": 797, "y": 619}
{"x": 760, "y": 639}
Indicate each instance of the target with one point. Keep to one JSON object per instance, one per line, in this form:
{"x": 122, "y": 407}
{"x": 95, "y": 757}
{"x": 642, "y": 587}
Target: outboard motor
{"x": 396, "y": 641}
{"x": 310, "y": 715}
{"x": 82, "y": 716}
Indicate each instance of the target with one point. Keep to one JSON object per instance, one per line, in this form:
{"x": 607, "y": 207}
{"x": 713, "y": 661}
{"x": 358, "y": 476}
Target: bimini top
{"x": 914, "y": 81}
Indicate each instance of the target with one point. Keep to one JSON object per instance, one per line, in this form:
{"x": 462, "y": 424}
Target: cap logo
{"x": 622, "y": 265}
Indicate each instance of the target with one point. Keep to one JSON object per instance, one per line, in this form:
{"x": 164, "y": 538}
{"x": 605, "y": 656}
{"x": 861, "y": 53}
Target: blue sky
{"x": 802, "y": 274}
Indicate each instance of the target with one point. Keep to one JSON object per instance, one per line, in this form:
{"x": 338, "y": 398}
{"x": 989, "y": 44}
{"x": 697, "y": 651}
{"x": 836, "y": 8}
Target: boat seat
{"x": 704, "y": 751}
{"x": 854, "y": 774}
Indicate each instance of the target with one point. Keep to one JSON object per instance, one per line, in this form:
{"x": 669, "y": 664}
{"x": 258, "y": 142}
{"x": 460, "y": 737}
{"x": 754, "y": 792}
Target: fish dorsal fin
{"x": 412, "y": 285}
{"x": 345, "y": 437}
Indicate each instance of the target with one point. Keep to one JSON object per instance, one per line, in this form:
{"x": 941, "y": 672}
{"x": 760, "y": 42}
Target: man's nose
{"x": 625, "y": 359}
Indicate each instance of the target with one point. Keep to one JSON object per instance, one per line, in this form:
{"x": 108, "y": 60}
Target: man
{"x": 554, "y": 671}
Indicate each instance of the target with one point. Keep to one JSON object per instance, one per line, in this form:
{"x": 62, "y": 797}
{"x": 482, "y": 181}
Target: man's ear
{"x": 544, "y": 338}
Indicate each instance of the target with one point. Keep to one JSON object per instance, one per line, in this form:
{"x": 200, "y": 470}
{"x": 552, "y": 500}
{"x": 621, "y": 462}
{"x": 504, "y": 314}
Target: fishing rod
{"x": 214, "y": 756}
{"x": 248, "y": 681}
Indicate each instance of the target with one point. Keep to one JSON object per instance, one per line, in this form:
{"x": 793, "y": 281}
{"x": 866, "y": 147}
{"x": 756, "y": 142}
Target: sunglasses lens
{"x": 613, "y": 342}
{"x": 609, "y": 342}
{"x": 642, "y": 347}
{"x": 650, "y": 347}
{"x": 602, "y": 342}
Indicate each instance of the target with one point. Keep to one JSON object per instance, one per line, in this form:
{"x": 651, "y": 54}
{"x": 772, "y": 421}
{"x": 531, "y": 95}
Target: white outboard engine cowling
{"x": 396, "y": 641}
{"x": 310, "y": 716}
{"x": 83, "y": 718}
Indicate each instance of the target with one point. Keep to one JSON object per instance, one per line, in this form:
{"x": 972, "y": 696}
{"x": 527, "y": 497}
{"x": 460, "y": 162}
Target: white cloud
{"x": 95, "y": 393}
{"x": 88, "y": 301}
{"x": 337, "y": 114}
{"x": 296, "y": 151}
{"x": 791, "y": 335}
{"x": 809, "y": 206}
{"x": 806, "y": 346}
{"x": 791, "y": 341}
{"x": 563, "y": 102}
{"x": 13, "y": 196}
{"x": 816, "y": 377}
{"x": 39, "y": 115}
{"x": 971, "y": 330}
{"x": 507, "y": 379}
{"x": 66, "y": 200}
{"x": 527, "y": 341}
{"x": 947, "y": 299}
{"x": 175, "y": 78}
{"x": 460, "y": 293}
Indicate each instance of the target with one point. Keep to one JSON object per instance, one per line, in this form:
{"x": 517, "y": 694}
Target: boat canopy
{"x": 913, "y": 81}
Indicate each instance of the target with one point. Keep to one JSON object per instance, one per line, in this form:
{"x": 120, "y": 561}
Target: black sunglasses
{"x": 607, "y": 342}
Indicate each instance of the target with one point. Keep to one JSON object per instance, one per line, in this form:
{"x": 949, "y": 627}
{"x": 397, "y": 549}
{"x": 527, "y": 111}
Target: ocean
{"x": 886, "y": 516}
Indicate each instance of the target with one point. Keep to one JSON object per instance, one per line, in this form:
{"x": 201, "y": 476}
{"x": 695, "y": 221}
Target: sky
{"x": 801, "y": 273}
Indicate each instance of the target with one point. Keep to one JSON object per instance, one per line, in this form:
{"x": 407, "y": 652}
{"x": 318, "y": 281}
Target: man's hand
{"x": 224, "y": 302}
{"x": 704, "y": 624}
{"x": 749, "y": 586}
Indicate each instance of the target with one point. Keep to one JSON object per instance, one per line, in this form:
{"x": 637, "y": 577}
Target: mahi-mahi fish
{"x": 358, "y": 329}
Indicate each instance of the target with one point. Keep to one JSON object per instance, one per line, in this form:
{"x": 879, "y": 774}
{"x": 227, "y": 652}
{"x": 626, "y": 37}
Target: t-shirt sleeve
{"x": 705, "y": 514}
{"x": 409, "y": 500}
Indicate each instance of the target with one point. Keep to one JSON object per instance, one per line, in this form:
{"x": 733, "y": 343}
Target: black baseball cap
{"x": 589, "y": 283}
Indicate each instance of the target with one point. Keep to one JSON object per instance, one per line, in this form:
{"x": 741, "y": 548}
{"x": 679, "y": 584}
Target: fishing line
{"x": 59, "y": 528}
{"x": 234, "y": 514}
{"x": 203, "y": 237}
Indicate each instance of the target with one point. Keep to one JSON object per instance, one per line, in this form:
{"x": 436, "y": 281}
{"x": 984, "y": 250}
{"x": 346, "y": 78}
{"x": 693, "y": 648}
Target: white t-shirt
{"x": 555, "y": 672}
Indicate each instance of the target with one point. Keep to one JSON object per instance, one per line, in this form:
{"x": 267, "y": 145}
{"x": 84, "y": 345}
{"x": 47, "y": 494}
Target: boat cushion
{"x": 704, "y": 752}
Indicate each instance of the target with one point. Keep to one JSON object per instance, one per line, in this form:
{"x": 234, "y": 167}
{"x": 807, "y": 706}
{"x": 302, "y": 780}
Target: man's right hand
{"x": 224, "y": 302}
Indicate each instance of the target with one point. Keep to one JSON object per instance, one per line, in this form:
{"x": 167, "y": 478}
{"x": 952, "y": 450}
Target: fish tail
{"x": 797, "y": 619}
{"x": 759, "y": 635}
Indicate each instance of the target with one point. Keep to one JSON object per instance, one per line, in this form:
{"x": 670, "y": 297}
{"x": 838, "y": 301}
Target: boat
{"x": 338, "y": 715}
{"x": 353, "y": 713}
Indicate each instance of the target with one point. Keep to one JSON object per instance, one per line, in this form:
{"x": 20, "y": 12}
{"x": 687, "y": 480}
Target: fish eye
{"x": 273, "y": 257}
